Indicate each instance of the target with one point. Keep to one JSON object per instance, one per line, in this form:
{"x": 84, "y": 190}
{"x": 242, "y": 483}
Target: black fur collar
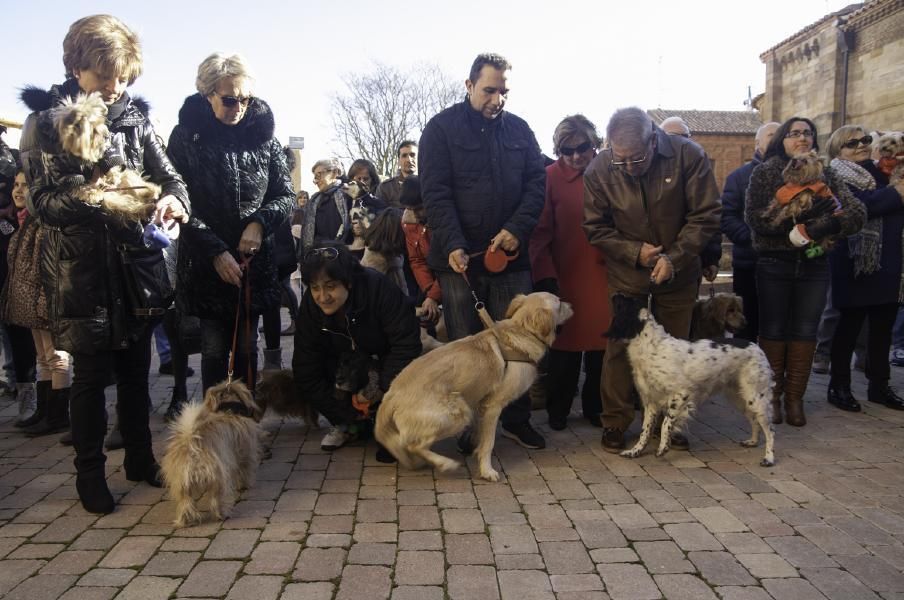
{"x": 38, "y": 99}
{"x": 255, "y": 129}
{"x": 235, "y": 408}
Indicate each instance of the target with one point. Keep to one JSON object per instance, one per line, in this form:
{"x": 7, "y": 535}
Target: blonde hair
{"x": 219, "y": 66}
{"x": 105, "y": 45}
{"x": 839, "y": 137}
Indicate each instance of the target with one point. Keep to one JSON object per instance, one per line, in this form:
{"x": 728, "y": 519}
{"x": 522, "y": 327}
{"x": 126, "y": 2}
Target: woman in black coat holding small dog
{"x": 792, "y": 280}
{"x": 349, "y": 309}
{"x": 239, "y": 183}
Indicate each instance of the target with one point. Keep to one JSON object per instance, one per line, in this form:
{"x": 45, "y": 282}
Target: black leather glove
{"x": 548, "y": 284}
{"x": 821, "y": 206}
{"x": 823, "y": 228}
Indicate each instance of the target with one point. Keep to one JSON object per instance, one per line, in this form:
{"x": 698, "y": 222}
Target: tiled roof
{"x": 844, "y": 11}
{"x": 712, "y": 121}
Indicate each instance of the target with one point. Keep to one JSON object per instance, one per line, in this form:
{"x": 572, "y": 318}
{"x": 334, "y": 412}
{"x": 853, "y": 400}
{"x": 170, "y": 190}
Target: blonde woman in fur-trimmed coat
{"x": 791, "y": 285}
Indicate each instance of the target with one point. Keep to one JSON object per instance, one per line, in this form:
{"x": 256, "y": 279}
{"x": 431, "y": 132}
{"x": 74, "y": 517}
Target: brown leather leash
{"x": 479, "y": 306}
{"x": 245, "y": 265}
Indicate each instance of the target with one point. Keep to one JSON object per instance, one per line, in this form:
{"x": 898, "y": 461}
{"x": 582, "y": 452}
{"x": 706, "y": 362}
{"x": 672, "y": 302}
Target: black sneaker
{"x": 613, "y": 440}
{"x": 524, "y": 435}
{"x": 883, "y": 394}
{"x": 841, "y": 397}
{"x": 167, "y": 369}
{"x": 557, "y": 423}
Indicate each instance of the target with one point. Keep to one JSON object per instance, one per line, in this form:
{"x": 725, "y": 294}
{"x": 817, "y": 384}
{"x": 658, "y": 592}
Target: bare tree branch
{"x": 386, "y": 106}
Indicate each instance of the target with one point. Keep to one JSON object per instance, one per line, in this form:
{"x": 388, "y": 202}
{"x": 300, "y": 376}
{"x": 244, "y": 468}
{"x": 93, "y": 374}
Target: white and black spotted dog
{"x": 673, "y": 376}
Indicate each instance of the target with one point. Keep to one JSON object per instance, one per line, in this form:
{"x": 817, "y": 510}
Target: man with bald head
{"x": 743, "y": 256}
{"x": 650, "y": 204}
{"x": 676, "y": 126}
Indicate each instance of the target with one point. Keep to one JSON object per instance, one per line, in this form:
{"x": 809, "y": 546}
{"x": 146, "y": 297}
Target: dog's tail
{"x": 388, "y": 434}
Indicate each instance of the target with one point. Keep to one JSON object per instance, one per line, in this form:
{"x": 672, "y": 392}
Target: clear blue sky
{"x": 589, "y": 56}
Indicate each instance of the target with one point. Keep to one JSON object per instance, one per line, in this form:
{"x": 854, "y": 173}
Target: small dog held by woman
{"x": 674, "y": 376}
{"x": 214, "y": 448}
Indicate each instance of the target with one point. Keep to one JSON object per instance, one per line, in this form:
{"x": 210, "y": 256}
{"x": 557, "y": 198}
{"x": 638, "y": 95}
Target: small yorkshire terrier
{"x": 276, "y": 391}
{"x": 214, "y": 448}
{"x": 890, "y": 147}
{"x": 82, "y": 129}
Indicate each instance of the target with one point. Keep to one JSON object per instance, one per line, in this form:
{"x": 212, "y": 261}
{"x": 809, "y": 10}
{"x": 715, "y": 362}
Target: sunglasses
{"x": 864, "y": 141}
{"x": 327, "y": 253}
{"x": 231, "y": 101}
{"x": 569, "y": 151}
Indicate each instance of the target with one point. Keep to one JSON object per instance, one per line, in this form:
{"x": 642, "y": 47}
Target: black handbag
{"x": 147, "y": 287}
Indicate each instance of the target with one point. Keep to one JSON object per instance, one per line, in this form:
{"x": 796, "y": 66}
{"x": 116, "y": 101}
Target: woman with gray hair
{"x": 866, "y": 271}
{"x": 326, "y": 215}
{"x": 563, "y": 262}
{"x": 239, "y": 183}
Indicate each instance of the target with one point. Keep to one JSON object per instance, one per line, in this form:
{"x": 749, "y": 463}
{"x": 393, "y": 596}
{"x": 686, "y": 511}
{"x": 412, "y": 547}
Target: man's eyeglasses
{"x": 853, "y": 143}
{"x": 580, "y": 149}
{"x": 798, "y": 133}
{"x": 327, "y": 253}
{"x": 319, "y": 174}
{"x": 231, "y": 101}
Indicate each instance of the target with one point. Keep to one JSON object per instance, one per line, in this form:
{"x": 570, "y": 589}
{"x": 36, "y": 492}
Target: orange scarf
{"x": 787, "y": 192}
{"x": 887, "y": 164}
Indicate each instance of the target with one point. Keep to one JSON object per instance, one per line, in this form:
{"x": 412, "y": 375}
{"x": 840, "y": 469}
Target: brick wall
{"x": 727, "y": 152}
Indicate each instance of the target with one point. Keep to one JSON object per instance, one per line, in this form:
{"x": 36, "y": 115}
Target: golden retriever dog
{"x": 715, "y": 316}
{"x": 214, "y": 448}
{"x": 468, "y": 381}
{"x": 82, "y": 129}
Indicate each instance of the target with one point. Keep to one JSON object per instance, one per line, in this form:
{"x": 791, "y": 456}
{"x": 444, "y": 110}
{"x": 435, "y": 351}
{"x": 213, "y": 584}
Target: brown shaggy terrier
{"x": 715, "y": 316}
{"x": 214, "y": 448}
{"x": 803, "y": 177}
{"x": 276, "y": 391}
{"x": 890, "y": 147}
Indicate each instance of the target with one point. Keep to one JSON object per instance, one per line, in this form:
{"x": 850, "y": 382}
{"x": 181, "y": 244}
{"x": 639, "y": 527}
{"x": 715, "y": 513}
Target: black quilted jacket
{"x": 235, "y": 175}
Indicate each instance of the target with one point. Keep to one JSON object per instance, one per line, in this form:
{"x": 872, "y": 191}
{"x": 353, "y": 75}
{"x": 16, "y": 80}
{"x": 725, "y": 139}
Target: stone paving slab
{"x": 570, "y": 522}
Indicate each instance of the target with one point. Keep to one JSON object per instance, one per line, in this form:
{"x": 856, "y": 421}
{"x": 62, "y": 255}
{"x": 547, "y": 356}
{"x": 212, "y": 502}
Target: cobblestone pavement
{"x": 569, "y": 522}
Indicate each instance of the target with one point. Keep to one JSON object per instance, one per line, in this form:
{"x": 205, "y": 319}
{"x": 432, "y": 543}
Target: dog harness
{"x": 510, "y": 354}
{"x": 235, "y": 408}
{"x": 789, "y": 191}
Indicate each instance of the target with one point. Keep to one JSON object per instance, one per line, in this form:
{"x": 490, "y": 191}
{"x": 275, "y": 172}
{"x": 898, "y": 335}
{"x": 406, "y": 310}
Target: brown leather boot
{"x": 800, "y": 359}
{"x": 775, "y": 351}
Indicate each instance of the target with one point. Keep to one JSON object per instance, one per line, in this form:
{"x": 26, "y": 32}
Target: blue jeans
{"x": 897, "y": 332}
{"x": 792, "y": 294}
{"x": 497, "y": 292}
{"x": 8, "y": 367}
{"x": 161, "y": 342}
{"x": 216, "y": 344}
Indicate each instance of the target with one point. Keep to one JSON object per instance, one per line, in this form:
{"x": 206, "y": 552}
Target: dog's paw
{"x": 632, "y": 453}
{"x": 660, "y": 452}
{"x": 767, "y": 462}
{"x": 490, "y": 475}
{"x": 447, "y": 464}
{"x": 749, "y": 443}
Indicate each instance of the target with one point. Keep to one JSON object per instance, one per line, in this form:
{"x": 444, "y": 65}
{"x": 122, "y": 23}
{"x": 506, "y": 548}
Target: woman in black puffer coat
{"x": 88, "y": 309}
{"x": 239, "y": 183}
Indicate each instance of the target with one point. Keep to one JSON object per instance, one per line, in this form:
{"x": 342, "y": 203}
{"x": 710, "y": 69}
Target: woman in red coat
{"x": 564, "y": 263}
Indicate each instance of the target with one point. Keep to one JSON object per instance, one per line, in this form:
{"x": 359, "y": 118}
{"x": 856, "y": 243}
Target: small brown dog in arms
{"x": 82, "y": 129}
{"x": 468, "y": 381}
{"x": 714, "y": 317}
{"x": 214, "y": 449}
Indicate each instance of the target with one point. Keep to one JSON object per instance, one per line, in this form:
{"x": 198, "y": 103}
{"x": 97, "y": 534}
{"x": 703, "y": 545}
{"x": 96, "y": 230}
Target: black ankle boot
{"x": 143, "y": 469}
{"x": 841, "y": 397}
{"x": 180, "y": 397}
{"x": 883, "y": 394}
{"x": 56, "y": 417}
{"x": 94, "y": 493}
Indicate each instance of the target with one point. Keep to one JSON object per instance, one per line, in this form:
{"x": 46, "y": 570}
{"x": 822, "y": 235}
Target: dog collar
{"x": 235, "y": 408}
{"x": 510, "y": 354}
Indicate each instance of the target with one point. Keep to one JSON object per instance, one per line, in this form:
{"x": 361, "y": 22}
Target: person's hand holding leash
{"x": 505, "y": 240}
{"x": 250, "y": 242}
{"x": 648, "y": 256}
{"x": 228, "y": 269}
{"x": 662, "y": 270}
{"x": 458, "y": 260}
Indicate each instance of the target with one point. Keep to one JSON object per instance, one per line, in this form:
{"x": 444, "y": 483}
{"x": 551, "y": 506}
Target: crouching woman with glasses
{"x": 792, "y": 280}
{"x": 349, "y": 315}
{"x": 866, "y": 271}
{"x": 239, "y": 184}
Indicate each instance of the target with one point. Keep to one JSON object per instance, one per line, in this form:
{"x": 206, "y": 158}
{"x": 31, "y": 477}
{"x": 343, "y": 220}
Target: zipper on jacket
{"x": 646, "y": 209}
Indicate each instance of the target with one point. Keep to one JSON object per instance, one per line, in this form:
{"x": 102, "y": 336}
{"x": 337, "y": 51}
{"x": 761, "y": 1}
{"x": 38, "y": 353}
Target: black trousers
{"x": 87, "y": 411}
{"x": 878, "y": 342}
{"x": 23, "y": 346}
{"x": 744, "y": 285}
{"x": 563, "y": 369}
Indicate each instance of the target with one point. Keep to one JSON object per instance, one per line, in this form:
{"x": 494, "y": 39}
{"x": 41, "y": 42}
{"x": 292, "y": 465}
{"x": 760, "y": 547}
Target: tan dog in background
{"x": 468, "y": 381}
{"x": 715, "y": 316}
{"x": 214, "y": 448}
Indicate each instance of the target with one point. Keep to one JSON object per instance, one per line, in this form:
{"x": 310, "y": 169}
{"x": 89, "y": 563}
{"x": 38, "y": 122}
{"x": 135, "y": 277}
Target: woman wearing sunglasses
{"x": 866, "y": 271}
{"x": 349, "y": 309}
{"x": 239, "y": 184}
{"x": 563, "y": 262}
{"x": 792, "y": 282}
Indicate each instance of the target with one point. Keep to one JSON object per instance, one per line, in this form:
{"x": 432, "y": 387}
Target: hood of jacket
{"x": 37, "y": 99}
{"x": 255, "y": 128}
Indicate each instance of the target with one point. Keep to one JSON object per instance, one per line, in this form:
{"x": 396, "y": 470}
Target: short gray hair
{"x": 629, "y": 126}
{"x": 839, "y": 137}
{"x": 330, "y": 164}
{"x": 574, "y": 125}
{"x": 219, "y": 66}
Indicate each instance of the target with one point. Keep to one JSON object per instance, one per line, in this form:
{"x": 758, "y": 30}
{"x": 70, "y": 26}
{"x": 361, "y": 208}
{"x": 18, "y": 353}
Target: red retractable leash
{"x": 245, "y": 265}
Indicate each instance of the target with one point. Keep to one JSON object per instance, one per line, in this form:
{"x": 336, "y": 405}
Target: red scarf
{"x": 887, "y": 164}
{"x": 22, "y": 214}
{"x": 787, "y": 192}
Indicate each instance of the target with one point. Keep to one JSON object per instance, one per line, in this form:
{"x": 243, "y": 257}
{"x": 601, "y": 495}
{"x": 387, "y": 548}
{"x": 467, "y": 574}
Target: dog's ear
{"x": 541, "y": 321}
{"x": 516, "y": 303}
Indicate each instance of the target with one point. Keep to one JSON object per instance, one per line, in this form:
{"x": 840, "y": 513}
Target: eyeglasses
{"x": 327, "y": 253}
{"x": 580, "y": 149}
{"x": 231, "y": 101}
{"x": 864, "y": 141}
{"x": 798, "y": 133}
{"x": 320, "y": 174}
